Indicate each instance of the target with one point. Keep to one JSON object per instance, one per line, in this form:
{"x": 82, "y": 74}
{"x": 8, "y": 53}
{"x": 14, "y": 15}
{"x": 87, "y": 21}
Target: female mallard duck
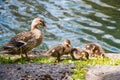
{"x": 60, "y": 50}
{"x": 78, "y": 53}
{"x": 25, "y": 41}
{"x": 94, "y": 50}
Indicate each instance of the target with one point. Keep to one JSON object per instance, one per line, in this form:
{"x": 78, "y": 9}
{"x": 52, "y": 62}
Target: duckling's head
{"x": 37, "y": 22}
{"x": 67, "y": 43}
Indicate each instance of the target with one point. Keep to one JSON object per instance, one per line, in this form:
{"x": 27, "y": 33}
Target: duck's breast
{"x": 38, "y": 37}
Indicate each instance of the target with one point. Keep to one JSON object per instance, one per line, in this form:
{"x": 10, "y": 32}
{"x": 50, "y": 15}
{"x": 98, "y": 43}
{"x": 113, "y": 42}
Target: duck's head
{"x": 67, "y": 43}
{"x": 37, "y": 22}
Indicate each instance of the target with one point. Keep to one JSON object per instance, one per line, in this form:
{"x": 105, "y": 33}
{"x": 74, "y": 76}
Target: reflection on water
{"x": 81, "y": 21}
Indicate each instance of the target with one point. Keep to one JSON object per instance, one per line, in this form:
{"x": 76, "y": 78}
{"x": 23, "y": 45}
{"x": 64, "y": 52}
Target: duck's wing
{"x": 24, "y": 36}
{"x": 19, "y": 40}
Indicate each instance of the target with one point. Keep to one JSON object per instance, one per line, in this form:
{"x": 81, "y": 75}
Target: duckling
{"x": 94, "y": 50}
{"x": 78, "y": 53}
{"x": 60, "y": 50}
{"x": 25, "y": 41}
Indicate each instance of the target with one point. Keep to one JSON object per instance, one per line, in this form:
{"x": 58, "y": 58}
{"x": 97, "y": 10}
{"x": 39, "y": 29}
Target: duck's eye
{"x": 41, "y": 20}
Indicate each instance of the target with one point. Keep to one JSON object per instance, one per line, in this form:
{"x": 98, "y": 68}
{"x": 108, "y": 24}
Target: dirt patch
{"x": 34, "y": 71}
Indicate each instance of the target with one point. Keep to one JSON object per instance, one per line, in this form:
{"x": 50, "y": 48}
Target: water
{"x": 81, "y": 21}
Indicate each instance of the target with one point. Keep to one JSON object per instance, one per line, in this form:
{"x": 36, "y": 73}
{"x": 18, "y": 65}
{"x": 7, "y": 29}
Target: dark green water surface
{"x": 81, "y": 21}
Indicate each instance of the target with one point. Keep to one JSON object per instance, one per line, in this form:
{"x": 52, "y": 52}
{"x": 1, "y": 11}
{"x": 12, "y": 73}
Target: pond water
{"x": 81, "y": 21}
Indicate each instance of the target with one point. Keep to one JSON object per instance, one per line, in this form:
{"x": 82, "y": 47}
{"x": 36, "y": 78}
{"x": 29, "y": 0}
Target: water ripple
{"x": 81, "y": 21}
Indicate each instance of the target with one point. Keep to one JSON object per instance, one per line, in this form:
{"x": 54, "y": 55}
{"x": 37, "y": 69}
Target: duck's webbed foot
{"x": 26, "y": 55}
{"x": 57, "y": 61}
{"x": 58, "y": 58}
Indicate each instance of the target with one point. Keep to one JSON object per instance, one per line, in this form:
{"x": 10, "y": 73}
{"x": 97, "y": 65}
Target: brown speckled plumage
{"x": 94, "y": 50}
{"x": 60, "y": 50}
{"x": 78, "y": 53}
{"x": 25, "y": 41}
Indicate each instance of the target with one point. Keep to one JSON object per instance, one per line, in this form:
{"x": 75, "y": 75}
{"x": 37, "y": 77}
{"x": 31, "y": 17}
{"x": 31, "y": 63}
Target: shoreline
{"x": 98, "y": 72}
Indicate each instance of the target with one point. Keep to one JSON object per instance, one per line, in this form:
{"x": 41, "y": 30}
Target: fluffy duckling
{"x": 60, "y": 50}
{"x": 78, "y": 53}
{"x": 25, "y": 41}
{"x": 94, "y": 50}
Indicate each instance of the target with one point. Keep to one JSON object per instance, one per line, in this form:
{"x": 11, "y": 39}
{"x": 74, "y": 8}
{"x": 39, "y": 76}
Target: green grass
{"x": 80, "y": 65}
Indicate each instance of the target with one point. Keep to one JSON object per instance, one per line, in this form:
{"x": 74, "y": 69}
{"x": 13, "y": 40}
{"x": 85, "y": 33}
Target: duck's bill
{"x": 45, "y": 27}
